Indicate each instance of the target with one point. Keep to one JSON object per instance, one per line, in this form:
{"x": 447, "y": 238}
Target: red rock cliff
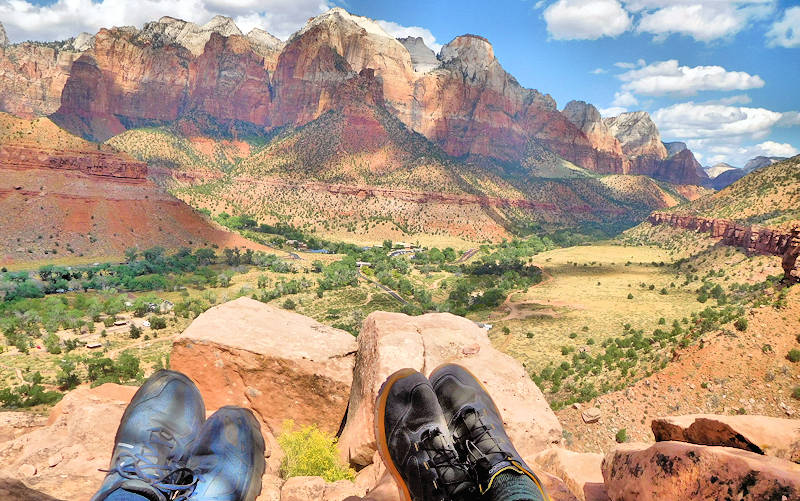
{"x": 752, "y": 238}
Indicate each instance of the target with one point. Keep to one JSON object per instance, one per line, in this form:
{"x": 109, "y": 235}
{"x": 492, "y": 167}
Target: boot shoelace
{"x": 442, "y": 459}
{"x": 477, "y": 432}
{"x": 173, "y": 480}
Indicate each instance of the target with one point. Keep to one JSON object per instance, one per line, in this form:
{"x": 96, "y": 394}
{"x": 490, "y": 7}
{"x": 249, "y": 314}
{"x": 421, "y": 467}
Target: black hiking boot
{"x": 477, "y": 427}
{"x": 227, "y": 459}
{"x": 154, "y": 437}
{"x": 415, "y": 444}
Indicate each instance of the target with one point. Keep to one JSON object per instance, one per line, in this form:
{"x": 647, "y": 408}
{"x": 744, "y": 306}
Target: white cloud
{"x": 725, "y": 133}
{"x": 586, "y": 19}
{"x": 667, "y": 77}
{"x": 737, "y": 154}
{"x": 612, "y": 111}
{"x": 25, "y": 20}
{"x": 400, "y": 31}
{"x": 737, "y": 99}
{"x": 624, "y": 99}
{"x": 786, "y": 32}
{"x": 598, "y": 71}
{"x": 629, "y": 66}
{"x": 703, "y": 20}
{"x": 702, "y": 120}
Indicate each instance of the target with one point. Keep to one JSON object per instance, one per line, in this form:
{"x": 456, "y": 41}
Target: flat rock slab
{"x": 760, "y": 434}
{"x": 677, "y": 470}
{"x": 581, "y": 472}
{"x": 392, "y": 341}
{"x": 278, "y": 363}
{"x": 79, "y": 434}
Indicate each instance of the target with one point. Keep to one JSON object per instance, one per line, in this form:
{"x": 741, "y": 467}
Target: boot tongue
{"x": 143, "y": 489}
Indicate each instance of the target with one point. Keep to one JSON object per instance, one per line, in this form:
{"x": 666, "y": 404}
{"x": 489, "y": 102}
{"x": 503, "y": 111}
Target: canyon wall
{"x": 96, "y": 163}
{"x": 751, "y": 238}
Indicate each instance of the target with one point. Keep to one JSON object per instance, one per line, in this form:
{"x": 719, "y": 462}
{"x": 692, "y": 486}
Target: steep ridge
{"x": 63, "y": 197}
{"x": 751, "y": 238}
{"x": 463, "y": 100}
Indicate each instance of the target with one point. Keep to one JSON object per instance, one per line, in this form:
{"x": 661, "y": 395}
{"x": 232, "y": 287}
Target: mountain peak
{"x": 339, "y": 15}
{"x": 3, "y": 36}
{"x": 471, "y": 49}
{"x": 638, "y": 134}
{"x": 188, "y": 34}
{"x": 223, "y": 25}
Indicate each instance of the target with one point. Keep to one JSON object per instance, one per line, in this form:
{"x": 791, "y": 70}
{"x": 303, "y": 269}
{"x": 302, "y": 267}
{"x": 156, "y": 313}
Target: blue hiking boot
{"x": 153, "y": 439}
{"x": 227, "y": 459}
{"x": 477, "y": 428}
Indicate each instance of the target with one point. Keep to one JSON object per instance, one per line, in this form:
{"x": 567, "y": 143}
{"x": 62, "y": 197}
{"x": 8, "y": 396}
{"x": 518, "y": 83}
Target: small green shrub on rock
{"x": 311, "y": 452}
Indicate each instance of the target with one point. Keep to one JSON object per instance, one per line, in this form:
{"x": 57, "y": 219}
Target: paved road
{"x": 388, "y": 290}
{"x": 466, "y": 256}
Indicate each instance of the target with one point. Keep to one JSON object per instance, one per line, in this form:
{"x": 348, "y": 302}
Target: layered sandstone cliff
{"x": 32, "y": 76}
{"x": 751, "y": 238}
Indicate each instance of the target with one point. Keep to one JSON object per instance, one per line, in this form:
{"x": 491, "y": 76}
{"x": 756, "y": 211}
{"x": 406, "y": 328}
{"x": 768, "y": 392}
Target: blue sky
{"x": 720, "y": 74}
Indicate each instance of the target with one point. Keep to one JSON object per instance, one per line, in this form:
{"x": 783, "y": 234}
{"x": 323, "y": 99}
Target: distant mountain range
{"x": 722, "y": 175}
{"x": 461, "y": 99}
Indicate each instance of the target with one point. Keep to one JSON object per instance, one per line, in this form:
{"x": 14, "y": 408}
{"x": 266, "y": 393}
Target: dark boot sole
{"x": 380, "y": 431}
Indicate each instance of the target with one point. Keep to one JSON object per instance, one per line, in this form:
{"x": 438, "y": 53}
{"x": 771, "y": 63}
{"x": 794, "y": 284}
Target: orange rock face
{"x": 676, "y": 470}
{"x": 32, "y": 77}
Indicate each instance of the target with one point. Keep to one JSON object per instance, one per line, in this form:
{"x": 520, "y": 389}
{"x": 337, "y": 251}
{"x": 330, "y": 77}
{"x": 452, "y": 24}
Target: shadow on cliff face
{"x": 16, "y": 490}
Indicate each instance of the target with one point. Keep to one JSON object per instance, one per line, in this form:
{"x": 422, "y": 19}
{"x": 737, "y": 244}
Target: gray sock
{"x": 513, "y": 486}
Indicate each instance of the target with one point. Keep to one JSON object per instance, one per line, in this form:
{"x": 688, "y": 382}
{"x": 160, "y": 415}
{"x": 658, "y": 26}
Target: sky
{"x": 720, "y": 75}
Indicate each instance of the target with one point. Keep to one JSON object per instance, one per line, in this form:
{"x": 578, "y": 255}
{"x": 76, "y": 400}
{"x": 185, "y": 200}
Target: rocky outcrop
{"x": 586, "y": 117}
{"x": 760, "y": 434}
{"x": 95, "y": 163}
{"x": 265, "y": 45}
{"x": 3, "y": 36}
{"x": 33, "y": 75}
{"x": 422, "y": 57}
{"x": 289, "y": 367}
{"x": 638, "y": 134}
{"x": 676, "y": 470}
{"x": 392, "y": 341}
{"x": 675, "y": 147}
{"x": 169, "y": 30}
{"x": 471, "y": 106}
{"x": 681, "y": 168}
{"x": 134, "y": 78}
{"x": 229, "y": 81}
{"x": 329, "y": 50}
{"x": 751, "y": 238}
{"x": 79, "y": 434}
{"x": 582, "y": 473}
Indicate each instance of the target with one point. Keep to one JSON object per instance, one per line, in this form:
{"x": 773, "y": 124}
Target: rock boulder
{"x": 280, "y": 364}
{"x": 677, "y": 470}
{"x": 392, "y": 341}
{"x": 581, "y": 473}
{"x": 760, "y": 434}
